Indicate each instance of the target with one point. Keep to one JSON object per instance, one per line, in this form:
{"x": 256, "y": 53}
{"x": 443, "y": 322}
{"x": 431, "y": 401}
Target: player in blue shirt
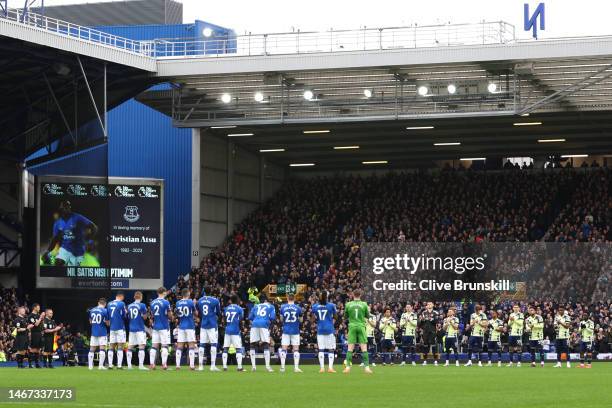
{"x": 160, "y": 336}
{"x": 292, "y": 316}
{"x": 98, "y": 318}
{"x": 117, "y": 314}
{"x": 261, "y": 316}
{"x": 209, "y": 310}
{"x": 69, "y": 231}
{"x": 326, "y": 339}
{"x": 137, "y": 338}
{"x": 233, "y": 315}
{"x": 185, "y": 309}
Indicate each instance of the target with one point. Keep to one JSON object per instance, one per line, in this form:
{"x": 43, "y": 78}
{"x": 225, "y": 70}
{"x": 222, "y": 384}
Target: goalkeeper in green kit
{"x": 357, "y": 312}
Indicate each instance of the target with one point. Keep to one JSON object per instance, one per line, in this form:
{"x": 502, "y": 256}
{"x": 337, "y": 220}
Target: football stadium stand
{"x": 445, "y": 114}
{"x": 311, "y": 230}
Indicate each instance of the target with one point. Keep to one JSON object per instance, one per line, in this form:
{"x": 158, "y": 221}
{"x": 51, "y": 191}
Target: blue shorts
{"x": 407, "y": 341}
{"x": 450, "y": 343}
{"x": 387, "y": 344}
{"x": 586, "y": 346}
{"x": 476, "y": 343}
{"x": 493, "y": 345}
{"x": 561, "y": 345}
{"x": 515, "y": 341}
{"x": 535, "y": 344}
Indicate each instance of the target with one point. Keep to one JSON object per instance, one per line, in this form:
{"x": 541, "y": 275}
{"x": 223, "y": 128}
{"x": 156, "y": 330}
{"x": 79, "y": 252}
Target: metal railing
{"x": 77, "y": 31}
{"x": 445, "y": 35}
{"x": 366, "y": 39}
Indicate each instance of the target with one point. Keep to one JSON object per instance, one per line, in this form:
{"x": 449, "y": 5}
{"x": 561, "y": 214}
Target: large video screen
{"x": 99, "y": 233}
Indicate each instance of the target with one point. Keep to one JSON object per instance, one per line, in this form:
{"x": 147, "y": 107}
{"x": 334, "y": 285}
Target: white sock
{"x": 102, "y": 356}
{"x": 152, "y": 356}
{"x": 322, "y": 360}
{"x": 128, "y": 356}
{"x": 164, "y": 355}
{"x": 283, "y": 357}
{"x": 141, "y": 356}
{"x": 296, "y": 359}
{"x": 239, "y": 359}
{"x": 191, "y": 357}
{"x": 213, "y": 356}
{"x": 90, "y": 358}
{"x": 252, "y": 353}
{"x": 201, "y": 356}
{"x": 267, "y": 357}
{"x": 110, "y": 354}
{"x": 330, "y": 358}
{"x": 179, "y": 354}
{"x": 224, "y": 359}
{"x": 119, "y": 357}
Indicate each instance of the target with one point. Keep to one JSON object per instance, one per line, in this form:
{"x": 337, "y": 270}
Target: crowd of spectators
{"x": 587, "y": 214}
{"x": 8, "y": 304}
{"x": 312, "y": 230}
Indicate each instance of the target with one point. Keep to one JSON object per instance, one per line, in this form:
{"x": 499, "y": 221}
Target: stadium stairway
{"x": 562, "y": 200}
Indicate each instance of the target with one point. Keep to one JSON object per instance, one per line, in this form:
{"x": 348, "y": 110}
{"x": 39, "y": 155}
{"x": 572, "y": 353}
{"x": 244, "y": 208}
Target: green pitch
{"x": 389, "y": 386}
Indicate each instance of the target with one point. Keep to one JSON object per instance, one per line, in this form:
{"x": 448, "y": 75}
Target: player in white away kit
{"x": 563, "y": 325}
{"x": 98, "y": 318}
{"x": 516, "y": 323}
{"x": 209, "y": 310}
{"x": 233, "y": 315}
{"x": 137, "y": 337}
{"x": 185, "y": 309}
{"x": 117, "y": 314}
{"x": 292, "y": 316}
{"x": 478, "y": 323}
{"x": 451, "y": 327}
{"x": 409, "y": 322}
{"x": 261, "y": 316}
{"x": 160, "y": 336}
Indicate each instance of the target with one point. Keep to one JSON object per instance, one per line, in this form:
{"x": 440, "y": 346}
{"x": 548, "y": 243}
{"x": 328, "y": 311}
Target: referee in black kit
{"x": 21, "y": 325}
{"x": 36, "y": 334}
{"x": 49, "y": 330}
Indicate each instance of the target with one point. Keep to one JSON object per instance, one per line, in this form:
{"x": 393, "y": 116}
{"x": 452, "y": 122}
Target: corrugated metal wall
{"x": 222, "y": 40}
{"x": 187, "y": 32}
{"x": 152, "y": 32}
{"x": 118, "y": 12}
{"x": 89, "y": 162}
{"x": 143, "y": 143}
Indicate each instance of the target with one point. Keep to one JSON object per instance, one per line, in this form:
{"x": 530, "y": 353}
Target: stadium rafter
{"x": 590, "y": 79}
{"x": 41, "y": 94}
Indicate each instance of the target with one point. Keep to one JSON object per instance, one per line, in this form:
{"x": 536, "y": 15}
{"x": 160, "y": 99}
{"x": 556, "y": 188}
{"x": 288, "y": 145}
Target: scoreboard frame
{"x": 113, "y": 283}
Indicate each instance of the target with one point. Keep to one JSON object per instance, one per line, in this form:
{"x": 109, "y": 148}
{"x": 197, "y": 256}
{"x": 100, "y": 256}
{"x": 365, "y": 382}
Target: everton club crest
{"x": 131, "y": 213}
